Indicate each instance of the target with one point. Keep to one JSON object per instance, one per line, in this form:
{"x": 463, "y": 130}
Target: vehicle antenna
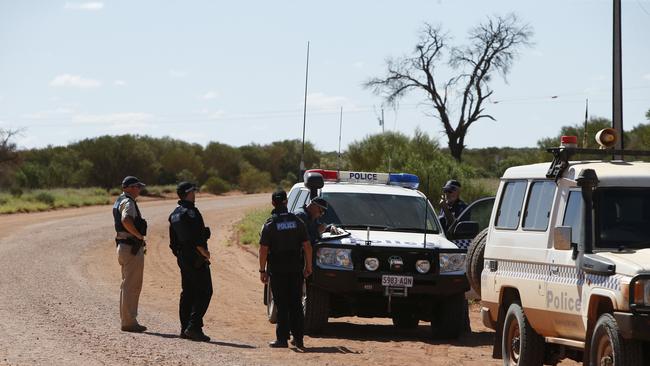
{"x": 338, "y": 162}
{"x": 304, "y": 121}
{"x": 584, "y": 135}
{"x": 426, "y": 212}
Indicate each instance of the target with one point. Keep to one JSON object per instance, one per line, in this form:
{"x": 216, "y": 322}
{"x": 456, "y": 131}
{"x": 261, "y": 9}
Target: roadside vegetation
{"x": 64, "y": 176}
{"x": 247, "y": 230}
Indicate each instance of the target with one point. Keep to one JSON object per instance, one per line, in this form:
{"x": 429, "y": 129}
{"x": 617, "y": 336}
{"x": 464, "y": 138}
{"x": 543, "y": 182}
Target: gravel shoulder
{"x": 60, "y": 294}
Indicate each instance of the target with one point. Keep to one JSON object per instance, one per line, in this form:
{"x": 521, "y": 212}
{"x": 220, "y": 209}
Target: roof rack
{"x": 562, "y": 155}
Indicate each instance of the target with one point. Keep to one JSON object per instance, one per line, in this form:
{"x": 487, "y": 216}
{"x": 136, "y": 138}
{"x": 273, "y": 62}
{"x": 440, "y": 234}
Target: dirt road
{"x": 59, "y": 287}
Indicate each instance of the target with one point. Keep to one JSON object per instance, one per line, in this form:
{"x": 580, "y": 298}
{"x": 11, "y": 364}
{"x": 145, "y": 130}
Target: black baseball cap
{"x": 451, "y": 186}
{"x": 320, "y": 202}
{"x": 279, "y": 196}
{"x": 131, "y": 181}
{"x": 184, "y": 188}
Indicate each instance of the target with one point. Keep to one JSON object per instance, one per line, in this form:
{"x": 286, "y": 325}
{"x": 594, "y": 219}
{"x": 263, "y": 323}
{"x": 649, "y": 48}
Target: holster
{"x": 134, "y": 243}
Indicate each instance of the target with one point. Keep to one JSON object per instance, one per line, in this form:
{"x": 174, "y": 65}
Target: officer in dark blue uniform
{"x": 283, "y": 242}
{"x": 188, "y": 237}
{"x": 451, "y": 206}
{"x": 310, "y": 214}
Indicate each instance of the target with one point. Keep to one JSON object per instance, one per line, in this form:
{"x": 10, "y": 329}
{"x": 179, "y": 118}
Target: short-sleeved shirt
{"x": 312, "y": 225}
{"x": 284, "y": 234}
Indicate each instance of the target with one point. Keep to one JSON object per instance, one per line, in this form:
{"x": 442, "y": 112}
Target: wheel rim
{"x": 513, "y": 340}
{"x": 604, "y": 351}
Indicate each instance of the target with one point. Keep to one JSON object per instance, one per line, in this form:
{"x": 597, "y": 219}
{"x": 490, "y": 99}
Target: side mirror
{"x": 562, "y": 238}
{"x": 465, "y": 230}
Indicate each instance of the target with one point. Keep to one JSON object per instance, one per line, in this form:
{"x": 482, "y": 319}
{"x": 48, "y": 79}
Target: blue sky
{"x": 233, "y": 71}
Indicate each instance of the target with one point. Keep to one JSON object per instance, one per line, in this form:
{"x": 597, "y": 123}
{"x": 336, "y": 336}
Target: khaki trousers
{"x": 132, "y": 270}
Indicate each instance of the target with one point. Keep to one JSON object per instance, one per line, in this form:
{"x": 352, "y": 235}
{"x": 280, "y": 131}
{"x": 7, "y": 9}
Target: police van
{"x": 391, "y": 259}
{"x": 566, "y": 260}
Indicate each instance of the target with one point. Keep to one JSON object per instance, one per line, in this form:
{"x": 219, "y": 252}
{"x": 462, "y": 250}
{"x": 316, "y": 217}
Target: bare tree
{"x": 9, "y": 157}
{"x": 493, "y": 47}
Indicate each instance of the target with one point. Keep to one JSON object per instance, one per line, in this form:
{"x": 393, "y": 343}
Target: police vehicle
{"x": 566, "y": 259}
{"x": 392, "y": 260}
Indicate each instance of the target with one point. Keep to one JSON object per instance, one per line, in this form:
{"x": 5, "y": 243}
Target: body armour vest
{"x": 286, "y": 243}
{"x": 138, "y": 221}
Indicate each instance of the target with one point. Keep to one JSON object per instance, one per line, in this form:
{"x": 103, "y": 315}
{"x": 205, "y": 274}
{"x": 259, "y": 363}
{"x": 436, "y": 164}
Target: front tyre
{"x": 521, "y": 345}
{"x": 608, "y": 347}
{"x": 271, "y": 309}
{"x": 448, "y": 319}
{"x": 315, "y": 304}
{"x": 405, "y": 320}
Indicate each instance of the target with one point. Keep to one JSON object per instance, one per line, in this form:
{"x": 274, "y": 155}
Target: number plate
{"x": 396, "y": 281}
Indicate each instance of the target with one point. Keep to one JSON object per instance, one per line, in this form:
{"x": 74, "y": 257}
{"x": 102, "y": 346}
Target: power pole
{"x": 617, "y": 79}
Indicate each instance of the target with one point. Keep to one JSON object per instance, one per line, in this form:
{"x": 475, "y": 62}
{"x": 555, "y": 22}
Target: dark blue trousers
{"x": 196, "y": 293}
{"x": 287, "y": 295}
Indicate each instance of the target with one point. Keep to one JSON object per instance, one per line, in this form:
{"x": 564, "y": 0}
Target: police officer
{"x": 131, "y": 229}
{"x": 283, "y": 240}
{"x": 310, "y": 215}
{"x": 188, "y": 237}
{"x": 451, "y": 206}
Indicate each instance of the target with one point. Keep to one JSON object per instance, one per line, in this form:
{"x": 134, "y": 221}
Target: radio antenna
{"x": 304, "y": 120}
{"x": 426, "y": 213}
{"x": 338, "y": 161}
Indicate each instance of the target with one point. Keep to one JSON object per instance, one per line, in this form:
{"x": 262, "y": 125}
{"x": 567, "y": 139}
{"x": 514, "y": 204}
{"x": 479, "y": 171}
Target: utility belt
{"x": 135, "y": 244}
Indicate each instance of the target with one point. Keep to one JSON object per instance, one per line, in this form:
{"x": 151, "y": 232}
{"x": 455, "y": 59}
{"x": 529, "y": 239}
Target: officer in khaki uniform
{"x": 131, "y": 229}
{"x": 283, "y": 241}
{"x": 188, "y": 240}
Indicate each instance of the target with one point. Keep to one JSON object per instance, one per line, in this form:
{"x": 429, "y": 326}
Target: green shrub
{"x": 16, "y": 191}
{"x": 216, "y": 185}
{"x": 45, "y": 197}
{"x": 251, "y": 180}
{"x": 248, "y": 229}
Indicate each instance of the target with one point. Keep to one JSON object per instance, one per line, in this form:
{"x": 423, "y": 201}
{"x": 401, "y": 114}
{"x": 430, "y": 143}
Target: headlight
{"x": 452, "y": 262}
{"x": 641, "y": 291}
{"x": 423, "y": 266}
{"x": 371, "y": 264}
{"x": 334, "y": 258}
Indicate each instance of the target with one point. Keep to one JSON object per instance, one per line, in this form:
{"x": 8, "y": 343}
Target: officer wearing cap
{"x": 310, "y": 215}
{"x": 131, "y": 229}
{"x": 283, "y": 241}
{"x": 451, "y": 206}
{"x": 188, "y": 240}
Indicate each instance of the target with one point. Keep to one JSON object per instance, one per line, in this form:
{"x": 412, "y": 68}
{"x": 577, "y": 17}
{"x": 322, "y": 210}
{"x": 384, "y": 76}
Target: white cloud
{"x": 178, "y": 73}
{"x": 210, "y": 95}
{"x": 119, "y": 83}
{"x": 359, "y": 64}
{"x": 646, "y": 76}
{"x": 320, "y": 101}
{"x": 128, "y": 121}
{"x": 90, "y": 6}
{"x": 216, "y": 115}
{"x": 75, "y": 81}
{"x": 48, "y": 113}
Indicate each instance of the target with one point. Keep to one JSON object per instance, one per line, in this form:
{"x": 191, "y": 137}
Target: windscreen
{"x": 379, "y": 211}
{"x": 622, "y": 218}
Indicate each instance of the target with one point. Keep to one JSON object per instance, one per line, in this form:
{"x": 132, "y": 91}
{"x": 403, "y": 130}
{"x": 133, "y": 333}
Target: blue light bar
{"x": 404, "y": 180}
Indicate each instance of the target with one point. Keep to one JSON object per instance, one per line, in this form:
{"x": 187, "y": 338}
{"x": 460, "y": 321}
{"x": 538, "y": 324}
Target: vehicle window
{"x": 573, "y": 216}
{"x": 538, "y": 209}
{"x": 479, "y": 211}
{"x": 392, "y": 212}
{"x": 291, "y": 200}
{"x": 510, "y": 205}
{"x": 302, "y": 199}
{"x": 622, "y": 217}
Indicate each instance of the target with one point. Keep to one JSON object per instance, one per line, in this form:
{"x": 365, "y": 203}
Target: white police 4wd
{"x": 567, "y": 262}
{"x": 381, "y": 266}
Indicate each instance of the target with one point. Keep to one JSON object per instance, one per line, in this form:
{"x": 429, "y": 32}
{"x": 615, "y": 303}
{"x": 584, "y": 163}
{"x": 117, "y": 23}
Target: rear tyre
{"x": 271, "y": 309}
{"x": 521, "y": 345}
{"x": 608, "y": 347}
{"x": 405, "y": 320}
{"x": 315, "y": 304}
{"x": 448, "y": 320}
{"x": 475, "y": 258}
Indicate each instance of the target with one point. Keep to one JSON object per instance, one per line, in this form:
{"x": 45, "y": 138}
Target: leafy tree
{"x": 223, "y": 160}
{"x": 593, "y": 126}
{"x": 252, "y": 180}
{"x": 493, "y": 47}
{"x": 114, "y": 157}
